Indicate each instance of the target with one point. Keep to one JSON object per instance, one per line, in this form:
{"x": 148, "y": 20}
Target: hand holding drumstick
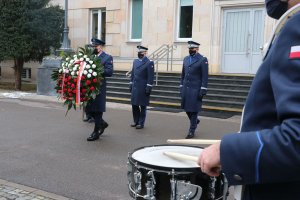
{"x": 209, "y": 160}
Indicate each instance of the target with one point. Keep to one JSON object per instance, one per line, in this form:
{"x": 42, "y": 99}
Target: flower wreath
{"x": 79, "y": 78}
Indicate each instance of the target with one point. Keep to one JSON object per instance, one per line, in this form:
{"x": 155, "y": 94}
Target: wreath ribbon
{"x": 78, "y": 84}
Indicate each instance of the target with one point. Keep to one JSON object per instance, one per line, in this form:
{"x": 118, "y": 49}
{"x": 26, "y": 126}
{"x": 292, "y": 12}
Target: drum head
{"x": 154, "y": 157}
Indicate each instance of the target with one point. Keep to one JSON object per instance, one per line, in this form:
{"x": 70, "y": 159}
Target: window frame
{"x": 28, "y": 73}
{"x": 178, "y": 39}
{"x": 100, "y": 12}
{"x": 130, "y": 24}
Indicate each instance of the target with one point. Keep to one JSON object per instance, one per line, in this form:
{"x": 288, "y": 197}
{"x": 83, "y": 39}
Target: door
{"x": 243, "y": 37}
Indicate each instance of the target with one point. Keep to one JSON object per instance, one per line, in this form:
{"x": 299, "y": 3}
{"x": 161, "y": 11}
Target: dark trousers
{"x": 139, "y": 114}
{"x": 98, "y": 116}
{"x": 193, "y": 117}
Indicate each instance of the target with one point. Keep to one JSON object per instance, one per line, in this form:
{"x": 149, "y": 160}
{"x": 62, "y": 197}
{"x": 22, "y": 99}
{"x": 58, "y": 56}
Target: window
{"x": 26, "y": 73}
{"x": 136, "y": 20}
{"x": 98, "y": 22}
{"x": 185, "y": 19}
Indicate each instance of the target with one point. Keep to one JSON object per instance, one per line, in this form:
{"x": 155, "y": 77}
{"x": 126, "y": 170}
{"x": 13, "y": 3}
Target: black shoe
{"x": 139, "y": 126}
{"x": 91, "y": 120}
{"x": 190, "y": 135}
{"x": 101, "y": 131}
{"x": 94, "y": 136}
{"x": 133, "y": 125}
{"x": 198, "y": 121}
{"x": 87, "y": 119}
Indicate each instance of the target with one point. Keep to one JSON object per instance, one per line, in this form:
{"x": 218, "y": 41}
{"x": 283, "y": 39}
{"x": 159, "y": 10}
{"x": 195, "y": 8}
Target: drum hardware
{"x": 150, "y": 191}
{"x": 150, "y": 186}
{"x": 187, "y": 191}
{"x": 211, "y": 187}
{"x": 137, "y": 177}
{"x": 225, "y": 187}
{"x": 173, "y": 187}
{"x": 129, "y": 173}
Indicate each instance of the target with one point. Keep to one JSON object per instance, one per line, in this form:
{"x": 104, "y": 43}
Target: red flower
{"x": 88, "y": 82}
{"x": 95, "y": 80}
{"x": 69, "y": 90}
{"x": 75, "y": 80}
{"x": 92, "y": 88}
{"x": 70, "y": 94}
{"x": 82, "y": 78}
{"x": 72, "y": 86}
{"x": 69, "y": 78}
{"x": 74, "y": 91}
{"x": 83, "y": 90}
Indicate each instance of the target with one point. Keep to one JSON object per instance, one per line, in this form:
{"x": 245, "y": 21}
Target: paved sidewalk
{"x": 13, "y": 191}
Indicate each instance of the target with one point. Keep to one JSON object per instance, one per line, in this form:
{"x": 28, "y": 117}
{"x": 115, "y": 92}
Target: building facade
{"x": 231, "y": 32}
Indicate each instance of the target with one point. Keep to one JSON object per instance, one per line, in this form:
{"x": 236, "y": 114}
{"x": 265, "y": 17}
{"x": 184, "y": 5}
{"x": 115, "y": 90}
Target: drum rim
{"x": 167, "y": 170}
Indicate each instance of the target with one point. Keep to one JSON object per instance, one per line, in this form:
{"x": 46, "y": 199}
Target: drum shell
{"x": 164, "y": 175}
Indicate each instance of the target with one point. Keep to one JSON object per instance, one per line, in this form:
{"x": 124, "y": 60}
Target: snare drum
{"x": 155, "y": 176}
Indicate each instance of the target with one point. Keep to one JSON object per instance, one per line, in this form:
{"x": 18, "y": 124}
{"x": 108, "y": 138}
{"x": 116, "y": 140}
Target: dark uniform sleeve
{"x": 150, "y": 76}
{"x": 132, "y": 74}
{"x": 182, "y": 74}
{"x": 204, "y": 69}
{"x": 108, "y": 67}
{"x": 271, "y": 155}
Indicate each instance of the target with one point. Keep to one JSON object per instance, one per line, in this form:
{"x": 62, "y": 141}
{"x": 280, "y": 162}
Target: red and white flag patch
{"x": 295, "y": 52}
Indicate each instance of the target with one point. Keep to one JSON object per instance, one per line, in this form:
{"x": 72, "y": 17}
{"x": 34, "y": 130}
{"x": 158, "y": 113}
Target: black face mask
{"x": 276, "y": 8}
{"x": 95, "y": 51}
{"x": 192, "y": 52}
{"x": 140, "y": 55}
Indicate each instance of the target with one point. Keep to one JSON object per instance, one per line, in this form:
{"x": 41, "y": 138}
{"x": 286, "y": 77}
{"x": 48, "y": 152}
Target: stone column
{"x": 45, "y": 85}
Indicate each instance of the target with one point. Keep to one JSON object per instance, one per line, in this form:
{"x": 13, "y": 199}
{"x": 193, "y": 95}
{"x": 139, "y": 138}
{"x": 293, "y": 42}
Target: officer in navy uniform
{"x": 142, "y": 76}
{"x": 265, "y": 156}
{"x": 98, "y": 106}
{"x": 193, "y": 85}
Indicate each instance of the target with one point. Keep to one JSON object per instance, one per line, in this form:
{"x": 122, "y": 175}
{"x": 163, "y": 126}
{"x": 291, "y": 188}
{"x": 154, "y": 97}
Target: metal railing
{"x": 164, "y": 51}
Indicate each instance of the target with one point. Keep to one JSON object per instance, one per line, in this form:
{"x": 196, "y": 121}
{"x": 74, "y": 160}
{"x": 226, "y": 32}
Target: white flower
{"x": 76, "y": 65}
{"x": 81, "y": 59}
{"x": 89, "y": 75}
{"x": 91, "y": 62}
{"x": 85, "y": 56}
{"x": 60, "y": 71}
{"x": 72, "y": 73}
{"x": 90, "y": 71}
{"x": 87, "y": 59}
{"x": 66, "y": 71}
{"x": 67, "y": 59}
{"x": 80, "y": 54}
{"x": 71, "y": 61}
{"x": 94, "y": 73}
{"x": 75, "y": 56}
{"x": 74, "y": 68}
{"x": 88, "y": 66}
{"x": 93, "y": 66}
{"x": 85, "y": 72}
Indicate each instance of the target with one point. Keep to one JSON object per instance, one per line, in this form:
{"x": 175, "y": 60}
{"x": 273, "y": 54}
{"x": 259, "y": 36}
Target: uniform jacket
{"x": 142, "y": 75}
{"x": 265, "y": 156}
{"x": 99, "y": 104}
{"x": 194, "y": 76}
